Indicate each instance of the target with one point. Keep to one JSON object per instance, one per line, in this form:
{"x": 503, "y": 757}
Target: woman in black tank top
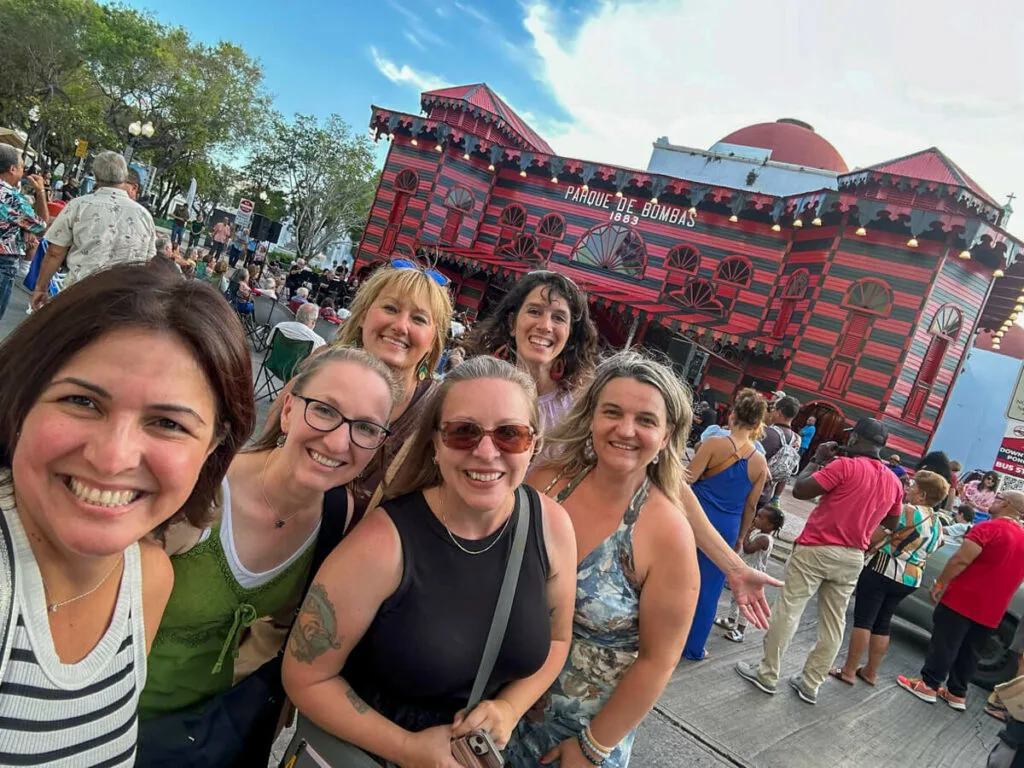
{"x": 387, "y": 646}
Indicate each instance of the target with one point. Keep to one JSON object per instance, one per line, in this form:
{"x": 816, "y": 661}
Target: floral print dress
{"x": 605, "y": 643}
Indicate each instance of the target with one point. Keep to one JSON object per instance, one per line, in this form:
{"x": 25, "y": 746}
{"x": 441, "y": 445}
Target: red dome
{"x": 791, "y": 141}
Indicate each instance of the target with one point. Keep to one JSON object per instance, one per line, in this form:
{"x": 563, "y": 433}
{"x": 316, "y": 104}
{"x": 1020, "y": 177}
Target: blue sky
{"x": 602, "y": 79}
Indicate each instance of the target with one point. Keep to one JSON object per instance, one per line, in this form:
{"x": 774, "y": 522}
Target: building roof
{"x": 482, "y": 97}
{"x": 932, "y": 165}
{"x": 790, "y": 141}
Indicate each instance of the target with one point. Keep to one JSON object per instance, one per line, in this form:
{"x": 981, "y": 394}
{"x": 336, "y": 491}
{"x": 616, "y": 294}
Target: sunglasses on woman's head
{"x": 466, "y": 435}
{"x": 433, "y": 274}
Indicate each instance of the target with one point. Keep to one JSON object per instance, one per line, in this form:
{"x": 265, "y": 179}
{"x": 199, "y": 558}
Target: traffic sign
{"x": 81, "y": 147}
{"x": 246, "y": 206}
{"x": 244, "y": 214}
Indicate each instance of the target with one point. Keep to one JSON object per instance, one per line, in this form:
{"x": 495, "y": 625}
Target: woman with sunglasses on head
{"x": 401, "y": 316}
{"x": 388, "y": 643}
{"x": 123, "y": 403}
{"x": 543, "y": 325}
{"x": 254, "y": 562}
{"x": 617, "y": 472}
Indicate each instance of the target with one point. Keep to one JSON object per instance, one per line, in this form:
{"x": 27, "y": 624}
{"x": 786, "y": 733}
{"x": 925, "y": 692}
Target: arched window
{"x": 405, "y": 185}
{"x": 683, "y": 258}
{"x": 407, "y": 181}
{"x": 698, "y": 295}
{"x": 614, "y": 247}
{"x": 512, "y": 220}
{"x": 550, "y": 230}
{"x": 459, "y": 201}
{"x": 735, "y": 270}
{"x": 865, "y": 298}
{"x": 796, "y": 288}
{"x": 869, "y": 295}
{"x": 523, "y": 248}
{"x": 944, "y": 330}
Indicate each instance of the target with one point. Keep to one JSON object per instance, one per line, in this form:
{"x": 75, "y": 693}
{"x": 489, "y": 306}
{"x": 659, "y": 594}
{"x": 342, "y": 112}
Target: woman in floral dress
{"x": 616, "y": 473}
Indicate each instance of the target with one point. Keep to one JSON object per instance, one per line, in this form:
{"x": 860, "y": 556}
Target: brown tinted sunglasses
{"x": 466, "y": 435}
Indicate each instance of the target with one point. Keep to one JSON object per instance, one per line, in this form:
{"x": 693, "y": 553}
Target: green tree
{"x": 329, "y": 176}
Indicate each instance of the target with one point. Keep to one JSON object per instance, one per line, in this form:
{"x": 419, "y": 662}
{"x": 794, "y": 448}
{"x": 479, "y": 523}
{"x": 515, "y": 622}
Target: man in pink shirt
{"x": 858, "y": 493}
{"x": 219, "y": 233}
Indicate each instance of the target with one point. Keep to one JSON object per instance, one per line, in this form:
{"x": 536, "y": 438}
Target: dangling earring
{"x": 589, "y": 454}
{"x": 422, "y": 372}
{"x": 557, "y": 369}
{"x": 281, "y": 439}
{"x": 657, "y": 456}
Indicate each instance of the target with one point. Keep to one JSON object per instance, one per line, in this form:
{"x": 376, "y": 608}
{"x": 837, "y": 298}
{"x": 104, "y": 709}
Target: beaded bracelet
{"x": 586, "y": 750}
{"x": 598, "y": 747}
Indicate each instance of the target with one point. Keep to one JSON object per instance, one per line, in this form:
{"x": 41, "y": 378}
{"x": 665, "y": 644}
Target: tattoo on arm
{"x": 360, "y": 706}
{"x": 316, "y": 628}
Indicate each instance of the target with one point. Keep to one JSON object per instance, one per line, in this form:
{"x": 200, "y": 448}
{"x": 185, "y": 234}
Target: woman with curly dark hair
{"x": 543, "y": 325}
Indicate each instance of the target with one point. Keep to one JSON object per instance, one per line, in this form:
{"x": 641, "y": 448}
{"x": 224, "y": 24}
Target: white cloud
{"x": 406, "y": 75}
{"x": 876, "y": 79}
{"x": 414, "y": 40}
{"x": 419, "y": 27}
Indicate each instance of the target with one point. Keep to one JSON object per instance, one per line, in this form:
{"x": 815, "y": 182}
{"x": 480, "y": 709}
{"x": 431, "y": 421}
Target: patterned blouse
{"x": 17, "y": 216}
{"x": 103, "y": 229}
{"x": 907, "y": 553}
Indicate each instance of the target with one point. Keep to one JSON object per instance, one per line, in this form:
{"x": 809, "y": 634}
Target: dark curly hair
{"x": 580, "y": 353}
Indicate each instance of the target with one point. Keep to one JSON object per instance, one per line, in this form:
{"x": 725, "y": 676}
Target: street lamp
{"x": 137, "y": 129}
{"x": 33, "y": 118}
{"x": 264, "y": 196}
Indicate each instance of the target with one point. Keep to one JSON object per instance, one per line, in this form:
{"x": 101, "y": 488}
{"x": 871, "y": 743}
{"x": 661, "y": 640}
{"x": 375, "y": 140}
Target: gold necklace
{"x": 278, "y": 520}
{"x": 52, "y": 607}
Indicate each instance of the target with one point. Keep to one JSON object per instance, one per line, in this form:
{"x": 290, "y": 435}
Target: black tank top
{"x": 418, "y": 659}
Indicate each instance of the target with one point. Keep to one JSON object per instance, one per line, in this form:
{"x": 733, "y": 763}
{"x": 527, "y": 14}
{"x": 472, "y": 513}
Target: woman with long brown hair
{"x": 123, "y": 404}
{"x": 543, "y": 326}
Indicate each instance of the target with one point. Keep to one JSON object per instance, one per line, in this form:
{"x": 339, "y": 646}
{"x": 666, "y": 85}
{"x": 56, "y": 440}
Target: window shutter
{"x": 853, "y": 337}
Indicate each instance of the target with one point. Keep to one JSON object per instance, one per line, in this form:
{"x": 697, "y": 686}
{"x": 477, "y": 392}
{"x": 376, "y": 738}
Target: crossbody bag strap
{"x": 525, "y": 502}
{"x": 898, "y": 532}
{"x": 7, "y": 593}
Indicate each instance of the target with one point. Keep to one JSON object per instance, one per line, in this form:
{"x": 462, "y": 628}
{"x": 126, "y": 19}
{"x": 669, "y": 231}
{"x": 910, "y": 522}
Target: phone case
{"x": 477, "y": 750}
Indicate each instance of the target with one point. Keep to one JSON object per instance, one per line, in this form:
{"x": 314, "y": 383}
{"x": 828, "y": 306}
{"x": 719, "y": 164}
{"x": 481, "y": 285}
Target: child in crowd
{"x": 756, "y": 550}
{"x": 962, "y": 522}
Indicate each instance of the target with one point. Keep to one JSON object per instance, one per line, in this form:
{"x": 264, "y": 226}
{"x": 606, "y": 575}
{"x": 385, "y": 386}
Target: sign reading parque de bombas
{"x": 629, "y": 210}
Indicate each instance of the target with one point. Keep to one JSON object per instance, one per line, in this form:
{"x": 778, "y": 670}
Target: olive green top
{"x": 194, "y": 651}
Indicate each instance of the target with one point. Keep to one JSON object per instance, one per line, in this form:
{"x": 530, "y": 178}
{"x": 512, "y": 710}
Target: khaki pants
{"x": 832, "y": 573}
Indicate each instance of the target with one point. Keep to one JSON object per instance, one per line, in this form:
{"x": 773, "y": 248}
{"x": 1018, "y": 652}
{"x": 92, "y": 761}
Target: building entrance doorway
{"x": 829, "y": 424}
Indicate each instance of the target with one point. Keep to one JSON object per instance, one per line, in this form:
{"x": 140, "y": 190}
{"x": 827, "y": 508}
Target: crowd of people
{"x": 430, "y": 548}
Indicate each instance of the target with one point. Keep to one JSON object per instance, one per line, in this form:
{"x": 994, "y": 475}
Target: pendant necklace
{"x": 278, "y": 520}
{"x": 52, "y": 607}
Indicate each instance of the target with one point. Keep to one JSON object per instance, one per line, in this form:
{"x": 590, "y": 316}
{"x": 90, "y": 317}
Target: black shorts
{"x": 877, "y": 598}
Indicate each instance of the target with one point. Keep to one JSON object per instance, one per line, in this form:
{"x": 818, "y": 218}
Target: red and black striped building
{"x": 859, "y": 300}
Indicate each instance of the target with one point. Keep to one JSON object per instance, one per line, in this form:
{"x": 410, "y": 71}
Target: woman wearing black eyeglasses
{"x": 389, "y": 640}
{"x": 255, "y": 561}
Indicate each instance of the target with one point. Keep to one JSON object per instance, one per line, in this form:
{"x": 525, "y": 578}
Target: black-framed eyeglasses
{"x": 324, "y": 417}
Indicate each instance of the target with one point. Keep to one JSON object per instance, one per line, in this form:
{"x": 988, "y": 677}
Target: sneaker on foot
{"x": 918, "y": 687}
{"x": 796, "y": 682}
{"x": 959, "y": 703}
{"x": 752, "y": 674}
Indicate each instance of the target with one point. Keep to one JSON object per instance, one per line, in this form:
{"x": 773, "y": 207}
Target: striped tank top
{"x": 84, "y": 714}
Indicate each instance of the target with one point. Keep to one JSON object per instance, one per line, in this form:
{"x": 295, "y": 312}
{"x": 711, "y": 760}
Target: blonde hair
{"x": 934, "y": 487}
{"x": 572, "y": 435}
{"x": 405, "y": 282}
{"x": 308, "y": 369}
{"x": 418, "y": 470}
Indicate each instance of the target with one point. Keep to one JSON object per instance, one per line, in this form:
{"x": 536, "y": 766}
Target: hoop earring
{"x": 282, "y": 439}
{"x": 589, "y": 454}
{"x": 657, "y": 456}
{"x": 557, "y": 369}
{"x": 503, "y": 352}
